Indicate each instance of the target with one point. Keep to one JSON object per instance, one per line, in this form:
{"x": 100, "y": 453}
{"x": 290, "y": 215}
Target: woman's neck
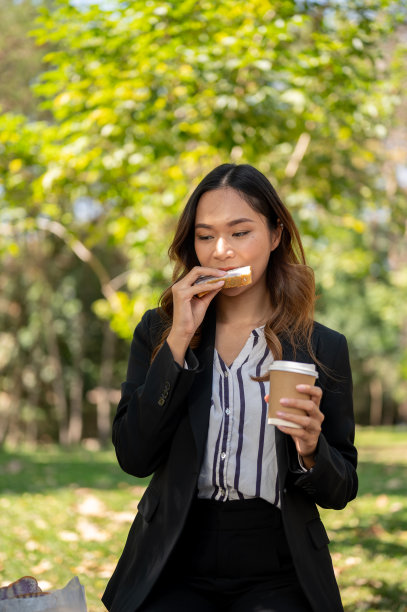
{"x": 251, "y": 308}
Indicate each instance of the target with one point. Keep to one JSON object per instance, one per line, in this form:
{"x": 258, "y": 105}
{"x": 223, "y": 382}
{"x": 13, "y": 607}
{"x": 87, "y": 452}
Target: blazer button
{"x": 161, "y": 401}
{"x": 167, "y": 386}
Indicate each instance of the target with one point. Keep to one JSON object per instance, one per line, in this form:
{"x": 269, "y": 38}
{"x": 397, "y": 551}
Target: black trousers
{"x": 232, "y": 557}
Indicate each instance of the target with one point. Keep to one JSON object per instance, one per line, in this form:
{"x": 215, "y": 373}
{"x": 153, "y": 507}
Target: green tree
{"x": 146, "y": 97}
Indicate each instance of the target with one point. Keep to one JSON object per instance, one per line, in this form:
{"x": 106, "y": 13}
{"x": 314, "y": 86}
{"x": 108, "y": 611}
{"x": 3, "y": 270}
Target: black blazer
{"x": 161, "y": 427}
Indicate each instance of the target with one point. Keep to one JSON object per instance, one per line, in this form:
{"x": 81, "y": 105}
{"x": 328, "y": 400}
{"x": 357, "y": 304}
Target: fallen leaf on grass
{"x": 353, "y": 561}
{"x": 106, "y": 570}
{"x": 396, "y": 507}
{"x": 21, "y": 532}
{"x": 90, "y": 564}
{"x": 376, "y": 530}
{"x": 43, "y": 566}
{"x": 382, "y": 501}
{"x": 68, "y": 536}
{"x": 122, "y": 517}
{"x": 336, "y": 558}
{"x": 91, "y": 506}
{"x": 89, "y": 532}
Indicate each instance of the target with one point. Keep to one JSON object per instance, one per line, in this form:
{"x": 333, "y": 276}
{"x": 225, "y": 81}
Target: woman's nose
{"x": 222, "y": 248}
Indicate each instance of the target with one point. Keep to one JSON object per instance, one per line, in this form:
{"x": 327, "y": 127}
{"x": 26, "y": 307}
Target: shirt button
{"x": 227, "y": 410}
{"x": 223, "y": 456}
{"x": 226, "y": 374}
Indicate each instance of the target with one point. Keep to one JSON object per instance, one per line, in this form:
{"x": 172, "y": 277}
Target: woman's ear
{"x": 276, "y": 235}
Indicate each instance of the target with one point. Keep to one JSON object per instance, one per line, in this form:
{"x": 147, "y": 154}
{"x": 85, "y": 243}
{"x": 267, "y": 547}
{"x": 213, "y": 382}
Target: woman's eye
{"x": 235, "y": 235}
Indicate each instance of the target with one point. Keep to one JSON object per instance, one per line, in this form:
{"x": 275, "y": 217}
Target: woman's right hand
{"x": 189, "y": 310}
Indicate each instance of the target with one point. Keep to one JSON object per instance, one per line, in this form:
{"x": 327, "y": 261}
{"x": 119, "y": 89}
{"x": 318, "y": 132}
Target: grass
{"x": 65, "y": 513}
{"x": 369, "y": 537}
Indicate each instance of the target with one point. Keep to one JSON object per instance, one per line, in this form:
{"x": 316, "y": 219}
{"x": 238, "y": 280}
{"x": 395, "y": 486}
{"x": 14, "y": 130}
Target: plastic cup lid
{"x": 294, "y": 366}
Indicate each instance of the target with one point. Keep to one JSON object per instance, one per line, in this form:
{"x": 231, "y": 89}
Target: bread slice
{"x": 238, "y": 277}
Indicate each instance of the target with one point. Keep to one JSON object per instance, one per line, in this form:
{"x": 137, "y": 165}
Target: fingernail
{"x": 302, "y": 387}
{"x": 284, "y": 400}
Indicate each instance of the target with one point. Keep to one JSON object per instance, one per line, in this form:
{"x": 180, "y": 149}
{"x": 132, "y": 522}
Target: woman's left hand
{"x": 307, "y": 435}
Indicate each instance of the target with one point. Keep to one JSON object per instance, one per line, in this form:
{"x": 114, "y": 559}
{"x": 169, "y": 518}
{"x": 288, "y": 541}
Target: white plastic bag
{"x": 69, "y": 599}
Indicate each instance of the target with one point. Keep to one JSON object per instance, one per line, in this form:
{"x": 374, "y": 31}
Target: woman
{"x": 229, "y": 520}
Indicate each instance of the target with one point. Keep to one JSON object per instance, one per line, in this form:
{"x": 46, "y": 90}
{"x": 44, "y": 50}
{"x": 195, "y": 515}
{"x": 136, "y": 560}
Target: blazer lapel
{"x": 201, "y": 391}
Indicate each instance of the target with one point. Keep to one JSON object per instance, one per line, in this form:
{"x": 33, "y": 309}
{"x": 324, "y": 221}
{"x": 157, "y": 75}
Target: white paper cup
{"x": 284, "y": 376}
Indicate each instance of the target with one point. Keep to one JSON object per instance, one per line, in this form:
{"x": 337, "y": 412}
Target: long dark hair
{"x": 289, "y": 280}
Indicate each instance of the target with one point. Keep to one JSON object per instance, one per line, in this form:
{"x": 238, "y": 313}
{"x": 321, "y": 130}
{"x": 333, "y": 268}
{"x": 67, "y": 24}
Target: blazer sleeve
{"x": 153, "y": 399}
{"x": 333, "y": 481}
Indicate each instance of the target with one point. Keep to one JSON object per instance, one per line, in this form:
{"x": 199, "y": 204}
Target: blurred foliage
{"x": 143, "y": 98}
{"x": 20, "y": 57}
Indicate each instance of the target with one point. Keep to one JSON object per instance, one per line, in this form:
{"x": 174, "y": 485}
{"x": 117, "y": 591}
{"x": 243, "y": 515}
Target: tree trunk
{"x": 75, "y": 425}
{"x": 61, "y": 404}
{"x": 12, "y": 425}
{"x": 7, "y": 400}
{"x": 106, "y": 374}
{"x": 376, "y": 401}
{"x": 31, "y": 428}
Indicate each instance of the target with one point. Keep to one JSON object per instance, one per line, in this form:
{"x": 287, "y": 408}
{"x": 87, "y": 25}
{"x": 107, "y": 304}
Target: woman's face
{"x": 229, "y": 233}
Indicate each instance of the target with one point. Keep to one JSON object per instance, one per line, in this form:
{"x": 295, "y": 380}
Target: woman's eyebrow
{"x": 230, "y": 223}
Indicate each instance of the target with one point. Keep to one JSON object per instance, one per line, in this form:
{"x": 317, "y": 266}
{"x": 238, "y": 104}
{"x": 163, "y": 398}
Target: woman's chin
{"x": 235, "y": 291}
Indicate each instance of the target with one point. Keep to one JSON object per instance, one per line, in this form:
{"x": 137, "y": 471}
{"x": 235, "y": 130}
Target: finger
{"x": 199, "y": 271}
{"x": 204, "y": 289}
{"x": 208, "y": 295}
{"x": 300, "y": 436}
{"x": 306, "y": 405}
{"x": 306, "y": 423}
{"x": 187, "y": 288}
{"x": 311, "y": 390}
{"x": 193, "y": 275}
{"x": 296, "y": 433}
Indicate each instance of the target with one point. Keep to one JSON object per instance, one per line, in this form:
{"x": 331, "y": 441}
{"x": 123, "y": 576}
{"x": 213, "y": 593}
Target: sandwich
{"x": 237, "y": 277}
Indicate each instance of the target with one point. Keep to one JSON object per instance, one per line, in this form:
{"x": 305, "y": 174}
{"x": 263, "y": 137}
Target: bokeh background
{"x": 111, "y": 113}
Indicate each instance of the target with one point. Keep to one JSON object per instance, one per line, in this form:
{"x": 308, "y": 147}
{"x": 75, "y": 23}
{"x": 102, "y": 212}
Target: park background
{"x": 110, "y": 115}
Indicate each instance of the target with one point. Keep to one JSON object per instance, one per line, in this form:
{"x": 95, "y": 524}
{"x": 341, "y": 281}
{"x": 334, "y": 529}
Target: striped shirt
{"x": 240, "y": 458}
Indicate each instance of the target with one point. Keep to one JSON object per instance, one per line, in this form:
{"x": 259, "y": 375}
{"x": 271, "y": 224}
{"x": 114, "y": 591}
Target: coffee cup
{"x": 284, "y": 376}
